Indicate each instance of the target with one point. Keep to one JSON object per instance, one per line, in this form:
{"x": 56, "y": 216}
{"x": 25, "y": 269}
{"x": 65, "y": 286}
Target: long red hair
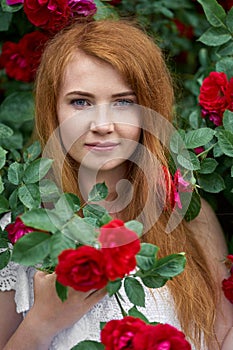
{"x": 140, "y": 61}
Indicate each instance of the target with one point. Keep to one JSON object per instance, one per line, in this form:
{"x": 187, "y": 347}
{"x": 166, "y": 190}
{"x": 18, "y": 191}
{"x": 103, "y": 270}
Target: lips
{"x": 102, "y": 146}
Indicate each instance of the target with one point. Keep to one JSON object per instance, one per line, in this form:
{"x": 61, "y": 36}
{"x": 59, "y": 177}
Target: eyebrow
{"x": 84, "y": 93}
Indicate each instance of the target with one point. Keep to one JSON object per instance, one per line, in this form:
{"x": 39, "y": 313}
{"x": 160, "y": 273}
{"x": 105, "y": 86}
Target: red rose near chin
{"x": 119, "y": 334}
{"x": 119, "y": 248}
{"x": 82, "y": 269}
{"x": 160, "y": 337}
{"x": 227, "y": 287}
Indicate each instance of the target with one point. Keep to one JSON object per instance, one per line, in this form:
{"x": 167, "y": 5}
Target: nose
{"x": 102, "y": 122}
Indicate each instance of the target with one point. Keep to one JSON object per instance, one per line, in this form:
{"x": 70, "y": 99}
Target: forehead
{"x": 86, "y": 70}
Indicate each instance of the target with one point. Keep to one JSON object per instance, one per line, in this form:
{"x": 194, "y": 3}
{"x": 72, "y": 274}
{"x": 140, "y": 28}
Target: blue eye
{"x": 123, "y": 103}
{"x": 80, "y": 103}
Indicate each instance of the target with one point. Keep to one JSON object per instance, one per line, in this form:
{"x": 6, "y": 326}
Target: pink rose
{"x": 82, "y": 268}
{"x": 22, "y": 59}
{"x": 82, "y": 7}
{"x": 17, "y": 230}
{"x": 119, "y": 247}
{"x": 14, "y": 2}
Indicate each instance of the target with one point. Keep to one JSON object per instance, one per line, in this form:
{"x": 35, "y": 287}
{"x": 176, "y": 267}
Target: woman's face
{"x": 98, "y": 114}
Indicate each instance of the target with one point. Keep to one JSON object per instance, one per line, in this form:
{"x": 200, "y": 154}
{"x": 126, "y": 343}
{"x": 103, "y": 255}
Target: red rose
{"x": 227, "y": 287}
{"x": 212, "y": 96}
{"x": 119, "y": 334}
{"x": 119, "y": 247}
{"x": 82, "y": 269}
{"x": 229, "y": 95}
{"x": 17, "y": 230}
{"x": 22, "y": 59}
{"x": 160, "y": 337}
{"x": 184, "y": 29}
{"x": 51, "y": 15}
{"x": 226, "y": 4}
{"x": 114, "y": 2}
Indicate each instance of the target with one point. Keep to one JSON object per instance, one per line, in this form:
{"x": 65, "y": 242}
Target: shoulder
{"x": 207, "y": 229}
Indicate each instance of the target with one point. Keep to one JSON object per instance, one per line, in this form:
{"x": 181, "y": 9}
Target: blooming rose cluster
{"x": 21, "y": 59}
{"x": 216, "y": 95}
{"x": 174, "y": 186}
{"x": 227, "y": 283}
{"x": 87, "y": 268}
{"x": 133, "y": 333}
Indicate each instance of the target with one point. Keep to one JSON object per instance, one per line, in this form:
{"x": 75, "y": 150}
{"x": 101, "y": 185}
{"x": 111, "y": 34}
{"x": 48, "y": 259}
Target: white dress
{"x": 159, "y": 307}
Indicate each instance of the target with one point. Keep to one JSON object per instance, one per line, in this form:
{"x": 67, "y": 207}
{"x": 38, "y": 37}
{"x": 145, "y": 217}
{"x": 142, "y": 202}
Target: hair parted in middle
{"x": 141, "y": 63}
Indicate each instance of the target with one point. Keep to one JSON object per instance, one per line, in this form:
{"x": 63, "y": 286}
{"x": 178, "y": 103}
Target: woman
{"x": 91, "y": 83}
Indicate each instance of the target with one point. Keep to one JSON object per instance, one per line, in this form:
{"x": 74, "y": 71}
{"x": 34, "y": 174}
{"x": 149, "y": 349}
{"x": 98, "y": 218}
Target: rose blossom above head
{"x": 82, "y": 7}
{"x": 22, "y": 59}
{"x": 17, "y": 230}
{"x": 119, "y": 246}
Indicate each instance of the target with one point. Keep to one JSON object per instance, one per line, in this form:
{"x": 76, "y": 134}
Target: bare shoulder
{"x": 208, "y": 231}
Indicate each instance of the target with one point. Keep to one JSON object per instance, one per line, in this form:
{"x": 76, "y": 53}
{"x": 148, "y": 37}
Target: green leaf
{"x": 7, "y": 8}
{"x": 215, "y": 37}
{"x": 3, "y": 242}
{"x": 194, "y": 207}
{"x": 97, "y": 212}
{"x": 208, "y": 166}
{"x": 32, "y": 152}
{"x": 4, "y": 204}
{"x": 152, "y": 281}
{"x": 147, "y": 256}
{"x": 29, "y": 195}
{"x": 36, "y": 170}
{"x": 188, "y": 160}
{"x": 135, "y": 226}
{"x": 114, "y": 286}
{"x": 214, "y": 12}
{"x": 225, "y": 141}
{"x": 1, "y": 185}
{"x": 5, "y": 20}
{"x": 4, "y": 258}
{"x": 104, "y": 11}
{"x": 199, "y": 137}
{"x": 15, "y": 173}
{"x": 78, "y": 230}
{"x": 31, "y": 249}
{"x": 62, "y": 291}
{"x": 229, "y": 20}
{"x": 5, "y": 131}
{"x": 228, "y": 120}
{"x": 177, "y": 141}
{"x": 88, "y": 345}
{"x": 225, "y": 65}
{"x": 98, "y": 192}
{"x": 40, "y": 219}
{"x": 49, "y": 191}
{"x": 170, "y": 266}
{"x": 134, "y": 291}
{"x": 134, "y": 312}
{"x": 17, "y": 108}
{"x": 3, "y": 153}
{"x": 64, "y": 207}
{"x": 58, "y": 243}
{"x": 212, "y": 183}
